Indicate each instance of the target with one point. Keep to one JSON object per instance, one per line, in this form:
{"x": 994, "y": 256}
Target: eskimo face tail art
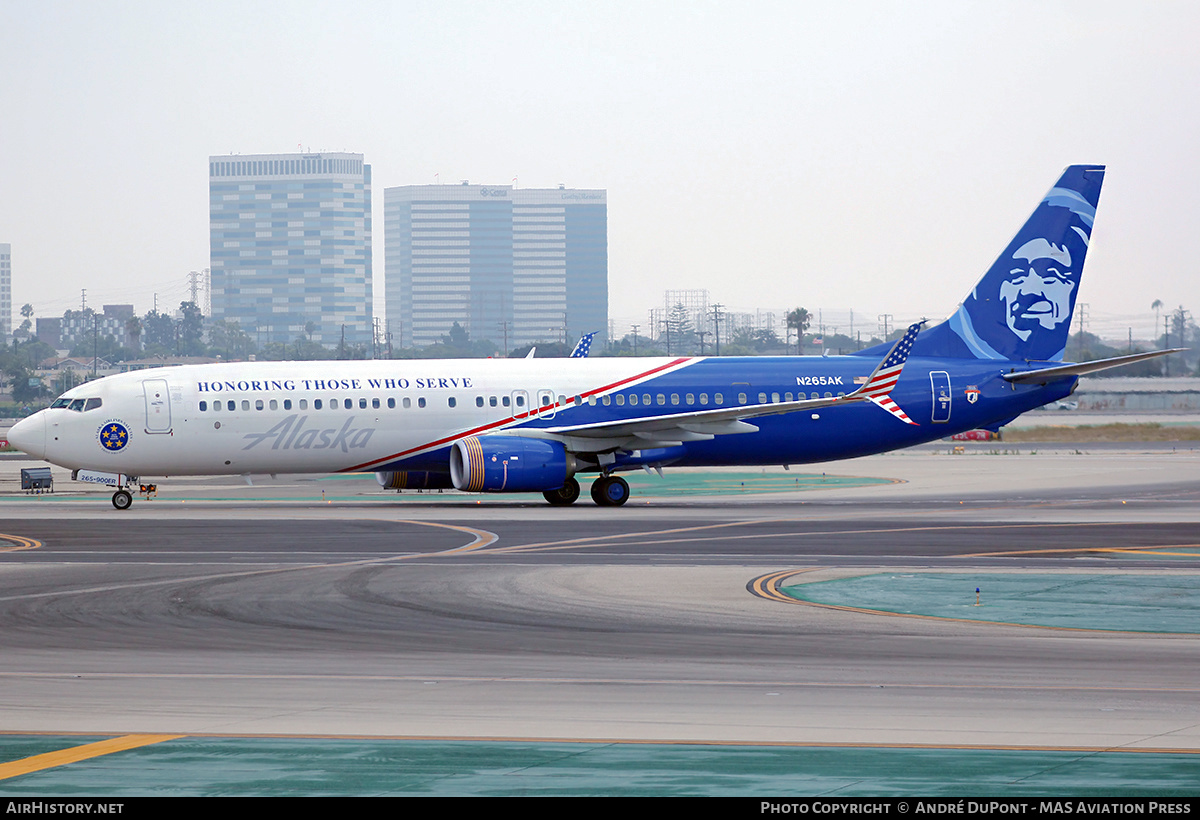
{"x": 537, "y": 425}
{"x": 1022, "y": 307}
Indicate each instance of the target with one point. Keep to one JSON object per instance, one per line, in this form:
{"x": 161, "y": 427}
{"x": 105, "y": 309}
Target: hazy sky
{"x": 867, "y": 156}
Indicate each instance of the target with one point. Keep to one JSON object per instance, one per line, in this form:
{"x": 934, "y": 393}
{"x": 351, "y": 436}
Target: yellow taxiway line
{"x": 15, "y": 543}
{"x": 49, "y": 760}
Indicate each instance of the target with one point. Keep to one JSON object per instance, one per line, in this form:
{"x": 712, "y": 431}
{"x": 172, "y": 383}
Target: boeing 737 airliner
{"x": 532, "y": 425}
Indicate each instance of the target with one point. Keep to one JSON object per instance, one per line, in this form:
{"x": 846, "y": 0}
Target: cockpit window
{"x": 92, "y": 404}
{"x": 76, "y": 405}
{"x": 60, "y": 402}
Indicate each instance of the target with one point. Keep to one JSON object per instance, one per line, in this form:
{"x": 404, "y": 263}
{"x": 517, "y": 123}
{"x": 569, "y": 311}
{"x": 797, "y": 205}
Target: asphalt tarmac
{"x": 325, "y": 607}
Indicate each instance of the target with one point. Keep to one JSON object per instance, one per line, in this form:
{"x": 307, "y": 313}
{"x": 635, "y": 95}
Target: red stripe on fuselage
{"x": 535, "y": 411}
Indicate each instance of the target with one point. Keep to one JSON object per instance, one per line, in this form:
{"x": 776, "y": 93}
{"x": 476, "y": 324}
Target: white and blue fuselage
{"x": 290, "y": 417}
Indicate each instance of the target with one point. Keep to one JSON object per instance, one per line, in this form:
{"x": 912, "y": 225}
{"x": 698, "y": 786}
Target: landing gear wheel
{"x": 567, "y": 494}
{"x": 610, "y": 491}
{"x": 122, "y": 500}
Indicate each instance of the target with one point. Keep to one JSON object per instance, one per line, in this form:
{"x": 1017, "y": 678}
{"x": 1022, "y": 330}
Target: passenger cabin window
{"x": 203, "y": 406}
{"x": 316, "y": 404}
{"x": 391, "y": 404}
{"x": 231, "y": 405}
{"x": 453, "y": 402}
{"x": 421, "y": 401}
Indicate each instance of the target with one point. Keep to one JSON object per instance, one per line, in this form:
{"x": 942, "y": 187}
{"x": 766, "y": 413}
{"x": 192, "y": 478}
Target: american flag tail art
{"x": 878, "y": 388}
{"x": 584, "y": 346}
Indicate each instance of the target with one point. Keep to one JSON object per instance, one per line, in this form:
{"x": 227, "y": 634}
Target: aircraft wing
{"x": 703, "y": 425}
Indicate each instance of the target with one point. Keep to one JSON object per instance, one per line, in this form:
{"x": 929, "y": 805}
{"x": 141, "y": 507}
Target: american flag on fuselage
{"x": 879, "y": 386}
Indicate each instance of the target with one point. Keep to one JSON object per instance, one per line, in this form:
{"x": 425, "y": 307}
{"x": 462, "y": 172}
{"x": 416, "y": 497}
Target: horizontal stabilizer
{"x": 1047, "y": 374}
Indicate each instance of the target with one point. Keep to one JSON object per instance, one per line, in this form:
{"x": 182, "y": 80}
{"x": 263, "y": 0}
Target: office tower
{"x": 290, "y": 239}
{"x": 515, "y": 266}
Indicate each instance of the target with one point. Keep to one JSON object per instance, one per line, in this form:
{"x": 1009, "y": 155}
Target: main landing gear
{"x": 568, "y": 493}
{"x": 610, "y": 491}
{"x": 607, "y": 491}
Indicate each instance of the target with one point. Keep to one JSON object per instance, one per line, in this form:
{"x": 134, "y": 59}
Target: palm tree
{"x": 799, "y": 320}
{"x": 26, "y": 328}
{"x": 133, "y": 330}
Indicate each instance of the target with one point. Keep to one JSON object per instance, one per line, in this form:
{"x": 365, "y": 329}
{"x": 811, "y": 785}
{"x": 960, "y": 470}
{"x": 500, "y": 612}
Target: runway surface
{"x": 325, "y": 607}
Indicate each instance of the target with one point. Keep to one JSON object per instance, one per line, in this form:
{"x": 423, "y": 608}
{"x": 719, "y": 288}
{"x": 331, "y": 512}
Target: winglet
{"x": 584, "y": 346}
{"x": 879, "y": 386}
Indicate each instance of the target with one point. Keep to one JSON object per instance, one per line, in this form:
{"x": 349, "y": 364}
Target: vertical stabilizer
{"x": 1021, "y": 309}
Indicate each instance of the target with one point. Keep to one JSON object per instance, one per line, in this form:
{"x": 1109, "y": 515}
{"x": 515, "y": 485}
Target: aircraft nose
{"x": 29, "y": 435}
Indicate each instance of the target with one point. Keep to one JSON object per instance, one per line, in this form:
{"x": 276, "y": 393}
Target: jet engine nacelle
{"x": 413, "y": 480}
{"x": 509, "y": 464}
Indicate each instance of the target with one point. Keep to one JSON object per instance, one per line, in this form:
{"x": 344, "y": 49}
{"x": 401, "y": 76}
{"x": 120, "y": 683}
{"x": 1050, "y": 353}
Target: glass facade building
{"x": 514, "y": 266}
{"x": 6, "y": 314}
{"x": 290, "y": 245}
